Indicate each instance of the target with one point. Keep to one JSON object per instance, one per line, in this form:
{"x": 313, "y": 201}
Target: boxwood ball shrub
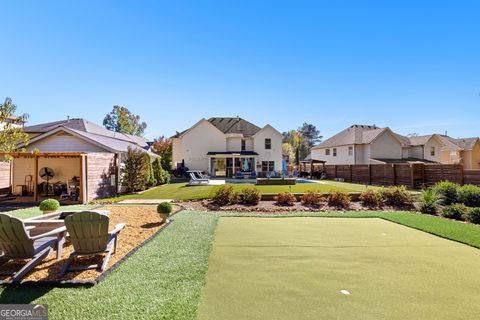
{"x": 312, "y": 198}
{"x": 455, "y": 211}
{"x": 371, "y": 198}
{"x": 164, "y": 208}
{"x": 225, "y": 195}
{"x": 338, "y": 199}
{"x": 49, "y": 205}
{"x": 448, "y": 191}
{"x": 473, "y": 215}
{"x": 397, "y": 196}
{"x": 286, "y": 199}
{"x": 469, "y": 195}
{"x": 251, "y": 196}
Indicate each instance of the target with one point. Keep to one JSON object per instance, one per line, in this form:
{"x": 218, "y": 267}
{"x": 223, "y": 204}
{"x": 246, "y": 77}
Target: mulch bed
{"x": 142, "y": 223}
{"x": 273, "y": 207}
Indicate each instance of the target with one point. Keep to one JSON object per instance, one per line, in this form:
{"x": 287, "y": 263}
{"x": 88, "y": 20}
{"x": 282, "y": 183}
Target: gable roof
{"x": 82, "y": 125}
{"x": 227, "y": 125}
{"x": 91, "y": 132}
{"x": 358, "y": 134}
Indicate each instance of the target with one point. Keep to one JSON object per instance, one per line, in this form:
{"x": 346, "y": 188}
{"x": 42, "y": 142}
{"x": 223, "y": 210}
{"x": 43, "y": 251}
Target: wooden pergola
{"x": 37, "y": 155}
{"x": 312, "y": 163}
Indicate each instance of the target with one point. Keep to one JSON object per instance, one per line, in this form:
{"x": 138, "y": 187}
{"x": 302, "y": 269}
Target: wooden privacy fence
{"x": 411, "y": 175}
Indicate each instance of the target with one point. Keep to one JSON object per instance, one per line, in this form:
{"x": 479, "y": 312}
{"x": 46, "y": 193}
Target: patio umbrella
{"x": 284, "y": 166}
{"x": 245, "y": 165}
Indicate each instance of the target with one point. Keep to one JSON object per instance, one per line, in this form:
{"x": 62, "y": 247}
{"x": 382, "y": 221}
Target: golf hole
{"x": 345, "y": 292}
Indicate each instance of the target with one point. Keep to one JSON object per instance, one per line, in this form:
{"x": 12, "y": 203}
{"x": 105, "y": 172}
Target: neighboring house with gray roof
{"x": 224, "y": 146}
{"x": 85, "y": 158}
{"x": 367, "y": 144}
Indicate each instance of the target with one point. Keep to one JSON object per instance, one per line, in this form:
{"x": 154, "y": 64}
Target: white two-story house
{"x": 224, "y": 146}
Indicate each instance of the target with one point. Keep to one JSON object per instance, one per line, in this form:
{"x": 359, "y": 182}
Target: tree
{"x": 161, "y": 176}
{"x": 150, "y": 175}
{"x": 302, "y": 140}
{"x": 120, "y": 119}
{"x": 288, "y": 152}
{"x": 135, "y": 172}
{"x": 310, "y": 133}
{"x": 11, "y": 128}
{"x": 163, "y": 147}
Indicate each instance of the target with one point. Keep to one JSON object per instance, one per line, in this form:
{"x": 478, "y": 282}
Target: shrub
{"x": 455, "y": 211}
{"x": 286, "y": 199}
{"x": 164, "y": 208}
{"x": 469, "y": 195}
{"x": 161, "y": 176}
{"x": 429, "y": 201}
{"x": 371, "y": 198}
{"x": 473, "y": 215}
{"x": 135, "y": 171}
{"x": 150, "y": 175}
{"x": 49, "y": 205}
{"x": 251, "y": 196}
{"x": 338, "y": 199}
{"x": 312, "y": 198}
{"x": 225, "y": 195}
{"x": 397, "y": 196}
{"x": 448, "y": 191}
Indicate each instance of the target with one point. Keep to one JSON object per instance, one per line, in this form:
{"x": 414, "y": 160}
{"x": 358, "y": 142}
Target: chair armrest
{"x": 28, "y": 228}
{"x": 50, "y": 233}
{"x": 117, "y": 228}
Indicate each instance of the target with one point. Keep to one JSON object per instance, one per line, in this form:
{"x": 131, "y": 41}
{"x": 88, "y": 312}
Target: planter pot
{"x": 164, "y": 217}
{"x": 49, "y": 211}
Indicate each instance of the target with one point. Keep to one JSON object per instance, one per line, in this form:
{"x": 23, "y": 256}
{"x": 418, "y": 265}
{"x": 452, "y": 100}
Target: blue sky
{"x": 412, "y": 66}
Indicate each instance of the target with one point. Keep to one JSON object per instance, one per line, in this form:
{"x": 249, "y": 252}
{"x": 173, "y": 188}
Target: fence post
{"x": 369, "y": 174}
{"x": 351, "y": 175}
{"x": 462, "y": 175}
{"x": 394, "y": 167}
{"x": 412, "y": 178}
{"x": 335, "y": 168}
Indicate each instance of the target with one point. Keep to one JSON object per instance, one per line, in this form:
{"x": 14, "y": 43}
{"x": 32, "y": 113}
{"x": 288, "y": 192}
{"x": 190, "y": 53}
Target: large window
{"x": 243, "y": 145}
{"x": 268, "y": 143}
{"x": 268, "y": 166}
{"x": 334, "y": 152}
{"x": 327, "y": 152}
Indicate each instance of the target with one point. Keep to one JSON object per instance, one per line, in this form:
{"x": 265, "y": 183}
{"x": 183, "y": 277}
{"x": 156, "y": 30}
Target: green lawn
{"x": 296, "y": 268}
{"x": 164, "y": 279}
{"x": 179, "y": 191}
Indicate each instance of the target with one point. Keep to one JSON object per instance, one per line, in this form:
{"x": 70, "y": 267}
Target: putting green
{"x": 296, "y": 268}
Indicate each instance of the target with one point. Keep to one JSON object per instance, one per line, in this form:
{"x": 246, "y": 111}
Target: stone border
{"x": 88, "y": 283}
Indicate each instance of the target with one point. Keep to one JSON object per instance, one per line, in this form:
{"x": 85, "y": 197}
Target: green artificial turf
{"x": 295, "y": 268}
{"x": 179, "y": 191}
{"x": 162, "y": 280}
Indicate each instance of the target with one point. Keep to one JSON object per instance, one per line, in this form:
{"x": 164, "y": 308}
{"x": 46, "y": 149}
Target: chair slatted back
{"x": 14, "y": 240}
{"x": 88, "y": 231}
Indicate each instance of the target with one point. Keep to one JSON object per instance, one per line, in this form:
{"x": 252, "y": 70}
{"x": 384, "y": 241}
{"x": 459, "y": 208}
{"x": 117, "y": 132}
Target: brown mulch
{"x": 273, "y": 207}
{"x": 141, "y": 223}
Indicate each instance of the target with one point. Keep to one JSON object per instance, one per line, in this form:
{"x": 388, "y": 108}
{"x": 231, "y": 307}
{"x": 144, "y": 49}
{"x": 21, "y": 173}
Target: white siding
{"x": 234, "y": 144}
{"x": 275, "y": 153}
{"x": 64, "y": 168}
{"x": 385, "y": 146}
{"x": 438, "y": 150}
{"x": 64, "y": 142}
{"x": 195, "y": 144}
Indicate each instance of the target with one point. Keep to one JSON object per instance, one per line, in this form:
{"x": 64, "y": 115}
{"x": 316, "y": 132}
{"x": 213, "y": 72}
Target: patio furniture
{"x": 17, "y": 244}
{"x": 253, "y": 175}
{"x": 194, "y": 180}
{"x": 89, "y": 235}
{"x": 239, "y": 175}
